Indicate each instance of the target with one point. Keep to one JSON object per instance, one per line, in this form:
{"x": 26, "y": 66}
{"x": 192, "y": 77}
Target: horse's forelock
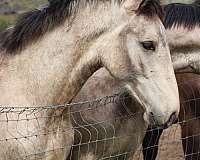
{"x": 151, "y": 8}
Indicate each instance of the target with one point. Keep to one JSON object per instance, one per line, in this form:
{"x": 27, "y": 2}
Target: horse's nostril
{"x": 152, "y": 119}
{"x": 172, "y": 120}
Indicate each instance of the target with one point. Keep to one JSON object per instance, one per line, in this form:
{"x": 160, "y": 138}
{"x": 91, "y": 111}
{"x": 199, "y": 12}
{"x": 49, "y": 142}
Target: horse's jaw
{"x": 157, "y": 105}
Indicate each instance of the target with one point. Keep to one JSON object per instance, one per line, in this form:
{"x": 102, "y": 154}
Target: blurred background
{"x": 9, "y": 9}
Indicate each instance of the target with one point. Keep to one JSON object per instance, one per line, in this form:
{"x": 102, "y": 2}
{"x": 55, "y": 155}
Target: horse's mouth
{"x": 172, "y": 120}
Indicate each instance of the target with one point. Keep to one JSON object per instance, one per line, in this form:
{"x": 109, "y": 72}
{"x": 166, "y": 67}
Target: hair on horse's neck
{"x": 34, "y": 24}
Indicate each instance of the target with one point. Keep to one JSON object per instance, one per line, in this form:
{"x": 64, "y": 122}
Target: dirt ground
{"x": 170, "y": 147}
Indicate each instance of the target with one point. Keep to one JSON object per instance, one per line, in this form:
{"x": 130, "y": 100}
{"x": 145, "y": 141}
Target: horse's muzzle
{"x": 173, "y": 119}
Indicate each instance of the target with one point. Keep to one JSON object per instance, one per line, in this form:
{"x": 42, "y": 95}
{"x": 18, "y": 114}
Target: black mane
{"x": 197, "y": 2}
{"x": 34, "y": 24}
{"x": 186, "y": 15}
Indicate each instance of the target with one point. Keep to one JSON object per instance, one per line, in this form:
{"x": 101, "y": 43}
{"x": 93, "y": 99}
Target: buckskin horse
{"x": 50, "y": 53}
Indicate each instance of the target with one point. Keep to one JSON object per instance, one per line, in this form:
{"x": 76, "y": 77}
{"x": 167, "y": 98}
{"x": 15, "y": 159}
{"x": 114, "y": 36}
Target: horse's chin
{"x": 154, "y": 124}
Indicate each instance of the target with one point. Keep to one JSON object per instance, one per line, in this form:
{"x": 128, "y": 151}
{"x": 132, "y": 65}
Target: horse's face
{"x": 141, "y": 59}
{"x": 155, "y": 85}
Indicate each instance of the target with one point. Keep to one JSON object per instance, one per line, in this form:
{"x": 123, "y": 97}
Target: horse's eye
{"x": 148, "y": 45}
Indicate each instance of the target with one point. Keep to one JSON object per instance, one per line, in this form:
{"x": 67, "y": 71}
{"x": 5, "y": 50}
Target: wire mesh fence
{"x": 44, "y": 132}
{"x": 105, "y": 128}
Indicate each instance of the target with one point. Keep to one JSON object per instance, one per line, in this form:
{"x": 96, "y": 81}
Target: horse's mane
{"x": 4, "y": 34}
{"x": 186, "y": 15}
{"x": 197, "y": 2}
{"x": 34, "y": 24}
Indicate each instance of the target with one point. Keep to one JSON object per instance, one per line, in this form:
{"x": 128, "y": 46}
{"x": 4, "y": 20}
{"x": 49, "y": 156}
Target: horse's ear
{"x": 51, "y": 2}
{"x": 133, "y": 5}
{"x": 137, "y": 5}
{"x": 145, "y": 3}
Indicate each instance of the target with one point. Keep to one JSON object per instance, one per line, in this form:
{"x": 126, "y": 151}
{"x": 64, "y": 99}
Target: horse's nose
{"x": 172, "y": 120}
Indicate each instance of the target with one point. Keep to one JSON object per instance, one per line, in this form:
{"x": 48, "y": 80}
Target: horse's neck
{"x": 47, "y": 72}
{"x": 54, "y": 69}
{"x": 185, "y": 48}
{"x": 178, "y": 37}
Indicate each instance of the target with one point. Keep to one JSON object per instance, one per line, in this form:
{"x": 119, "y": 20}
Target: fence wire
{"x": 107, "y": 128}
{"x": 39, "y": 132}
